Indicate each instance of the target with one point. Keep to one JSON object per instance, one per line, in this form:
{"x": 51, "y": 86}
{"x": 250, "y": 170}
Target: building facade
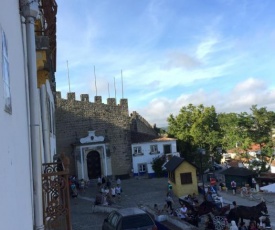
{"x": 96, "y": 136}
{"x": 26, "y": 109}
{"x": 144, "y": 153}
{"x": 182, "y": 176}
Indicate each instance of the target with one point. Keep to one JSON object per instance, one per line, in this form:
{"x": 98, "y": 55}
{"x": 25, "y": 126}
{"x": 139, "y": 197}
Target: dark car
{"x": 129, "y": 219}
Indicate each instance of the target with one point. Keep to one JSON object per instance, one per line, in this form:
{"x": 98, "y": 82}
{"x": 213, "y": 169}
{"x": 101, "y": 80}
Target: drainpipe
{"x": 45, "y": 123}
{"x": 29, "y": 10}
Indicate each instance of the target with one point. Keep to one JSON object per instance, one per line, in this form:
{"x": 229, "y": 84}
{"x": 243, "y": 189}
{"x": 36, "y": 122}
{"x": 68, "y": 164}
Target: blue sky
{"x": 171, "y": 53}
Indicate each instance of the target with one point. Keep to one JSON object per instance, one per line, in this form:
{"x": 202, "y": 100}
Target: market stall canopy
{"x": 268, "y": 188}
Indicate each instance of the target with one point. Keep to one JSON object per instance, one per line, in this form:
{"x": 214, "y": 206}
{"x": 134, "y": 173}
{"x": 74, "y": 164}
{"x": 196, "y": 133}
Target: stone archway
{"x": 93, "y": 164}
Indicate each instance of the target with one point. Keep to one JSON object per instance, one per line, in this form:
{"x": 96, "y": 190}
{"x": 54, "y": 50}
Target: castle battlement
{"x": 136, "y": 115}
{"x": 97, "y": 99}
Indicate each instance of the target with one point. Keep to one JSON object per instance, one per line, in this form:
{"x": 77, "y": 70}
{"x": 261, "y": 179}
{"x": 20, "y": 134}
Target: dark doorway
{"x": 93, "y": 165}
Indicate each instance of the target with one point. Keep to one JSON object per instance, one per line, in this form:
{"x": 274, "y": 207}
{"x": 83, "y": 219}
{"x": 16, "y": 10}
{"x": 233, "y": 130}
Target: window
{"x": 167, "y": 149}
{"x": 114, "y": 220}
{"x": 136, "y": 221}
{"x": 110, "y": 217}
{"x": 137, "y": 150}
{"x": 153, "y": 149}
{"x": 186, "y": 178}
{"x": 6, "y": 74}
{"x": 142, "y": 168}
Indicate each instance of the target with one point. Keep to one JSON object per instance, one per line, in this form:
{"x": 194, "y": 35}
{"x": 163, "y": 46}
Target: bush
{"x": 157, "y": 166}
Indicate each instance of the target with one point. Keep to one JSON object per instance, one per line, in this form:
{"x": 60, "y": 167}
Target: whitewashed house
{"x": 143, "y": 154}
{"x": 27, "y": 126}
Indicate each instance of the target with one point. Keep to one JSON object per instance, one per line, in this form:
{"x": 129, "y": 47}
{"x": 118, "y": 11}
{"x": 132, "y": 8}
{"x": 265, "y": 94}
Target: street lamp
{"x": 201, "y": 152}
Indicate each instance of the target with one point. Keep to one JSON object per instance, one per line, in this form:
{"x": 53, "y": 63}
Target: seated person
{"x": 210, "y": 198}
{"x": 196, "y": 205}
{"x": 189, "y": 199}
{"x": 183, "y": 212}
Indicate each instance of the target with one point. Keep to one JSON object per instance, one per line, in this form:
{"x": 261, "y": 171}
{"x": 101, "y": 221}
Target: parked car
{"x": 129, "y": 218}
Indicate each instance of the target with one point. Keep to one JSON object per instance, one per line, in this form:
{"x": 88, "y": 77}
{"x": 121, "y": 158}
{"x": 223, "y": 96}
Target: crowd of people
{"x": 185, "y": 214}
{"x": 109, "y": 192}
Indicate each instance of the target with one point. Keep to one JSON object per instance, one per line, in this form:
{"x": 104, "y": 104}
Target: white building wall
{"x": 48, "y": 122}
{"x": 15, "y": 161}
{"x": 52, "y": 114}
{"x": 147, "y": 158}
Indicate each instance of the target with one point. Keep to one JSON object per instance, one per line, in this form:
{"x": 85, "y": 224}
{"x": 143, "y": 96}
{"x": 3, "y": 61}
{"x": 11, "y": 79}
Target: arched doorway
{"x": 93, "y": 164}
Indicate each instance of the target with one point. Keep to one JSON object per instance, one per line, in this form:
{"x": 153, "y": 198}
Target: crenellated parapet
{"x": 111, "y": 101}
{"x": 71, "y": 96}
{"x": 124, "y": 104}
{"x": 84, "y": 97}
{"x": 93, "y": 108}
{"x": 139, "y": 124}
{"x": 97, "y": 100}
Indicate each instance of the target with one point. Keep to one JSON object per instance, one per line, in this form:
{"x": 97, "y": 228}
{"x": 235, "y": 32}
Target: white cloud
{"x": 206, "y": 47}
{"x": 169, "y": 59}
{"x": 251, "y": 84}
{"x": 239, "y": 99}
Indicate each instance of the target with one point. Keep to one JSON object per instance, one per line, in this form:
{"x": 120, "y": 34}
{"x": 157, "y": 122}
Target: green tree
{"x": 157, "y": 166}
{"x": 229, "y": 129}
{"x": 201, "y": 127}
{"x": 261, "y": 132}
{"x": 196, "y": 127}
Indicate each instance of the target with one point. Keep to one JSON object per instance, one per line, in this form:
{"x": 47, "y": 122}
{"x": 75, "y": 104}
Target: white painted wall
{"x": 15, "y": 161}
{"x": 147, "y": 158}
{"x": 50, "y": 121}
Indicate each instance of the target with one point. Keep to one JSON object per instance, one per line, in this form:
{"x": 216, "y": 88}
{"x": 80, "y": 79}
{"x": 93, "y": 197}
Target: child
{"x": 82, "y": 185}
{"x": 74, "y": 190}
{"x": 118, "y": 191}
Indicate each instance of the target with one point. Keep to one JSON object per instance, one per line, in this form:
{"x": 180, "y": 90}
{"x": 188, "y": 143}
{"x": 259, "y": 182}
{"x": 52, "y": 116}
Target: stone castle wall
{"x": 74, "y": 118}
{"x": 140, "y": 125}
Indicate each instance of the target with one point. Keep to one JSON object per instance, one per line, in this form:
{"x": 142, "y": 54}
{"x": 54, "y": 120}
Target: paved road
{"x": 142, "y": 192}
{"x": 136, "y": 193}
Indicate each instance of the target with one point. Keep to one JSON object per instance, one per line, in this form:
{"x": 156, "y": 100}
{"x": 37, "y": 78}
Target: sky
{"x": 165, "y": 54}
